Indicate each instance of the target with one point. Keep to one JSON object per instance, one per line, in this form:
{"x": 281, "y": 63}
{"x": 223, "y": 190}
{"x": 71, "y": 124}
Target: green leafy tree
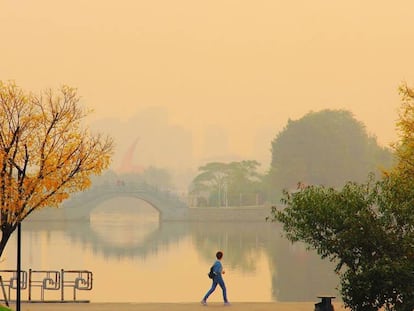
{"x": 245, "y": 184}
{"x": 367, "y": 229}
{"x": 224, "y": 184}
{"x": 328, "y": 148}
{"x": 210, "y": 182}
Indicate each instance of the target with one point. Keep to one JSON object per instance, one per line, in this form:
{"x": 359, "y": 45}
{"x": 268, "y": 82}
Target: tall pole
{"x": 19, "y": 256}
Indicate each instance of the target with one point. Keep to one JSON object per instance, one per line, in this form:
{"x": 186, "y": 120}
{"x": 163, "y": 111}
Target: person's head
{"x": 219, "y": 255}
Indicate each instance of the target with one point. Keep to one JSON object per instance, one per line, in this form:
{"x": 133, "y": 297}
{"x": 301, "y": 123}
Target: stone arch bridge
{"x": 169, "y": 206}
{"x": 80, "y": 206}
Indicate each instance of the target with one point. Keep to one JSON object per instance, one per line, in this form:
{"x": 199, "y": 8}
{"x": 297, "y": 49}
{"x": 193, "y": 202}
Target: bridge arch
{"x": 168, "y": 205}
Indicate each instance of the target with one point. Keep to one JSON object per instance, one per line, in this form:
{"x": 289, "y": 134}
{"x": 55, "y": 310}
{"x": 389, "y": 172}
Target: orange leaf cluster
{"x": 45, "y": 152}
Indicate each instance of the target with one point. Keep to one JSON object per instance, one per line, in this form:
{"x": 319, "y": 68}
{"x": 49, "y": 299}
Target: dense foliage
{"x": 366, "y": 228}
{"x": 228, "y": 184}
{"x": 328, "y": 148}
{"x": 45, "y": 153}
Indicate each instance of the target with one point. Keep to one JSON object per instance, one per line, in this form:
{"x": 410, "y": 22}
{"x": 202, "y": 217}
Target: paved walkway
{"x": 237, "y": 306}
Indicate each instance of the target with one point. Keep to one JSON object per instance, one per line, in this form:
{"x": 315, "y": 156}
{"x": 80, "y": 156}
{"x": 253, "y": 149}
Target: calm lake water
{"x": 134, "y": 258}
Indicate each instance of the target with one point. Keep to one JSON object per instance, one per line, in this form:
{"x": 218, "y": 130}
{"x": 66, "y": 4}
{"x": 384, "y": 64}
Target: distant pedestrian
{"x": 217, "y": 279}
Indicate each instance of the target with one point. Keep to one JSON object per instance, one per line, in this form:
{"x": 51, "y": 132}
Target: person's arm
{"x": 217, "y": 268}
{"x": 220, "y": 268}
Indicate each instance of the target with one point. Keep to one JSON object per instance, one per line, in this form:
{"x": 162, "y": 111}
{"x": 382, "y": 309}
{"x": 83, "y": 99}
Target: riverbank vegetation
{"x": 328, "y": 147}
{"x": 366, "y": 228}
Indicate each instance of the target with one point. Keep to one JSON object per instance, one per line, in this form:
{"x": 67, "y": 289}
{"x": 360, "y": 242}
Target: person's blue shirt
{"x": 217, "y": 267}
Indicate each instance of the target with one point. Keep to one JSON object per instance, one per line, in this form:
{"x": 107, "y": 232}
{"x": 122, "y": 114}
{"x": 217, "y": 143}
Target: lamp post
{"x": 19, "y": 256}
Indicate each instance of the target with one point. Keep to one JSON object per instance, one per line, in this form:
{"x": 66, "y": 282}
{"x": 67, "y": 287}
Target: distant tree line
{"x": 329, "y": 147}
{"x": 228, "y": 184}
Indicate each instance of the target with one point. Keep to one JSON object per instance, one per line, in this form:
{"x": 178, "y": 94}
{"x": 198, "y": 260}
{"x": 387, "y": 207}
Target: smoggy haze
{"x": 212, "y": 78}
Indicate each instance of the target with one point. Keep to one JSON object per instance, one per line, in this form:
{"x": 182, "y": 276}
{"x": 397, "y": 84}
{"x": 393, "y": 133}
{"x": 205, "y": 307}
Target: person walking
{"x": 217, "y": 279}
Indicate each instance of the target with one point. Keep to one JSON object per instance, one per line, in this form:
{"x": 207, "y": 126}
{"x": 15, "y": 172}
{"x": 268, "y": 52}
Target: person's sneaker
{"x": 203, "y": 302}
{"x": 227, "y": 304}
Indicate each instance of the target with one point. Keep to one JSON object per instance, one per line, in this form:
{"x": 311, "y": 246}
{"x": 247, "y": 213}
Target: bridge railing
{"x": 38, "y": 282}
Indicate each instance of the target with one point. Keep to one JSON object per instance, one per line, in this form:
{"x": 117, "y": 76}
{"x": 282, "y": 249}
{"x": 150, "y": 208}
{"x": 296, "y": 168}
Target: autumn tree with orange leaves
{"x": 45, "y": 152}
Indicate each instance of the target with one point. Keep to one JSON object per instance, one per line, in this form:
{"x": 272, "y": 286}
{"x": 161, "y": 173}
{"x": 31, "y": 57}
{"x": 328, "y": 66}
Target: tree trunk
{"x": 6, "y": 231}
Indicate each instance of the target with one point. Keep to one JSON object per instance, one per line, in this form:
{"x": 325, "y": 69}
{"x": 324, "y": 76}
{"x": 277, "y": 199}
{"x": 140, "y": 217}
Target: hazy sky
{"x": 235, "y": 70}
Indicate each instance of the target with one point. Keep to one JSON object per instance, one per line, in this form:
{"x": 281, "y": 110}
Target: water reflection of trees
{"x": 297, "y": 274}
{"x": 166, "y": 235}
{"x": 240, "y": 242}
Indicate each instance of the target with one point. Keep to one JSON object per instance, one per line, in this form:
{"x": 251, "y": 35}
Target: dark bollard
{"x": 325, "y": 304}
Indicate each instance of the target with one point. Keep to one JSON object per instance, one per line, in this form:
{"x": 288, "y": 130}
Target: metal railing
{"x": 41, "y": 281}
{"x": 77, "y": 279}
{"x": 4, "y": 291}
{"x": 9, "y": 280}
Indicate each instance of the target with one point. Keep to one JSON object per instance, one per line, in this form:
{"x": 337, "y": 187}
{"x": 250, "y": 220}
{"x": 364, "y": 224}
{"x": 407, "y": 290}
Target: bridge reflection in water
{"x": 296, "y": 274}
{"x": 130, "y": 222}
